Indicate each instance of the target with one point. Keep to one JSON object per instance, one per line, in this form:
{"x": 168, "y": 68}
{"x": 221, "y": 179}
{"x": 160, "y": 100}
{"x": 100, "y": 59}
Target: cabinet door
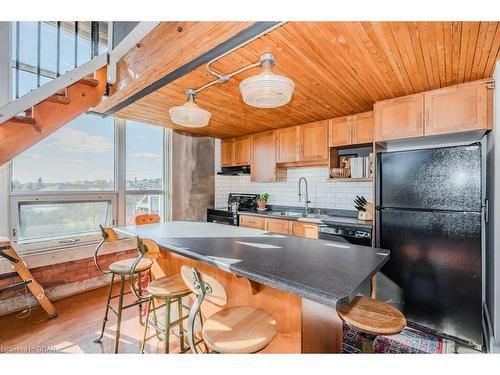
{"x": 456, "y": 109}
{"x": 286, "y": 145}
{"x": 362, "y": 128}
{"x": 264, "y": 157}
{"x": 251, "y": 222}
{"x": 243, "y": 150}
{"x": 399, "y": 118}
{"x": 313, "y": 141}
{"x": 304, "y": 229}
{"x": 277, "y": 226}
{"x": 340, "y": 131}
{"x": 227, "y": 152}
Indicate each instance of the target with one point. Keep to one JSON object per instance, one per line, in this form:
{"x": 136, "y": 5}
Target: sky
{"x": 84, "y": 150}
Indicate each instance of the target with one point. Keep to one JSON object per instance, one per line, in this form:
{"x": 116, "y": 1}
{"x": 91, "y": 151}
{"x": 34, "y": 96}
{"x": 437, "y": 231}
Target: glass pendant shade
{"x": 267, "y": 90}
{"x": 190, "y": 115}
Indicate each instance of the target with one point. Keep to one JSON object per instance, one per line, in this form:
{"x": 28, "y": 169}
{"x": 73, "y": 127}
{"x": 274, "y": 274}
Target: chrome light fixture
{"x": 264, "y": 90}
{"x": 267, "y": 89}
{"x": 189, "y": 114}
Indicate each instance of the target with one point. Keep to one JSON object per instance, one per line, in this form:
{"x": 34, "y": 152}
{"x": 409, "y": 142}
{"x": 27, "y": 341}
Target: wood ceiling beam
{"x": 171, "y": 51}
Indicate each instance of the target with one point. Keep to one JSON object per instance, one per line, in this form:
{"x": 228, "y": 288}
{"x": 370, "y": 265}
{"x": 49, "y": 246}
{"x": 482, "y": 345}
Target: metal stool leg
{"x": 201, "y": 324}
{"x": 139, "y": 285}
{"x": 155, "y": 317}
{"x": 181, "y": 324}
{"x": 143, "y": 344}
{"x": 120, "y": 310}
{"x": 167, "y": 325}
{"x": 98, "y": 340}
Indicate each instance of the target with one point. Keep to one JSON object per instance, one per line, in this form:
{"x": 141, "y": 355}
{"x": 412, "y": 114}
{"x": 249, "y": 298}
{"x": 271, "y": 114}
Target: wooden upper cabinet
{"x": 243, "y": 150}
{"x": 227, "y": 152}
{"x": 457, "y": 109}
{"x": 340, "y": 131}
{"x": 236, "y": 151}
{"x": 399, "y": 118}
{"x": 286, "y": 145}
{"x": 313, "y": 141}
{"x": 264, "y": 157}
{"x": 362, "y": 128}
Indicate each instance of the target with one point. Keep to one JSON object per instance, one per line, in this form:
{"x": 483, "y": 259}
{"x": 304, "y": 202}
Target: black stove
{"x": 245, "y": 202}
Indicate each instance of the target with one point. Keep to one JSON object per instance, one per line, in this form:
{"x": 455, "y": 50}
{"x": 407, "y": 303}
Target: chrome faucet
{"x": 307, "y": 195}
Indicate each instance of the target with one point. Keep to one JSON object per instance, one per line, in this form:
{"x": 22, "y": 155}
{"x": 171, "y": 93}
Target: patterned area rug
{"x": 409, "y": 341}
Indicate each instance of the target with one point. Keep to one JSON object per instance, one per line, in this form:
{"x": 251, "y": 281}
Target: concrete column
{"x": 192, "y": 176}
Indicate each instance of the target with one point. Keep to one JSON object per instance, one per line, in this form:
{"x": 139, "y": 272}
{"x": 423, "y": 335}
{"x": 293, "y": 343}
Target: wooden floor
{"x": 74, "y": 330}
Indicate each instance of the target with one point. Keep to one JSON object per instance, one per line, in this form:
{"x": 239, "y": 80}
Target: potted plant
{"x": 263, "y": 201}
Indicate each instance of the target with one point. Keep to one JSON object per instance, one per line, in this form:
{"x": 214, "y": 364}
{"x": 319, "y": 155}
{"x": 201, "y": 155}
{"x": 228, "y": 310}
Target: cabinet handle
{"x": 427, "y": 116}
{"x": 353, "y": 132}
{"x": 419, "y": 119}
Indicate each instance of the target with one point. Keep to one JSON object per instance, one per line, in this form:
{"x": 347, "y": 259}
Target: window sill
{"x": 67, "y": 254}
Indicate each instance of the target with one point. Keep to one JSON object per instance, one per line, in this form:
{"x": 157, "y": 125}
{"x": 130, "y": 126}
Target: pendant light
{"x": 267, "y": 89}
{"x": 264, "y": 90}
{"x": 189, "y": 114}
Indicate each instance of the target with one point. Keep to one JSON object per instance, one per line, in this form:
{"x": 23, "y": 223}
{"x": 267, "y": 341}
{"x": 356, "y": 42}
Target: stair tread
{"x": 24, "y": 119}
{"x": 57, "y": 98}
{"x": 89, "y": 81}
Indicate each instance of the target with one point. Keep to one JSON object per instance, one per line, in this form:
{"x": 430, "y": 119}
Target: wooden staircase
{"x": 23, "y": 131}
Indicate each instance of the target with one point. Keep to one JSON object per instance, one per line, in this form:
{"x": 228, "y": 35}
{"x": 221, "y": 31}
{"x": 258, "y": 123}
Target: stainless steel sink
{"x": 288, "y": 213}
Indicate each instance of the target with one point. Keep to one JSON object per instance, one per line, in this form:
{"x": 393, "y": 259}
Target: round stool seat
{"x": 239, "y": 329}
{"x": 124, "y": 266}
{"x": 372, "y": 316}
{"x": 168, "y": 286}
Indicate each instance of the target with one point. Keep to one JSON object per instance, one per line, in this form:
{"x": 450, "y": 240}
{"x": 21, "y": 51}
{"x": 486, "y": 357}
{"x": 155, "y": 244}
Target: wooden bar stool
{"x": 120, "y": 269}
{"x": 238, "y": 329}
{"x": 170, "y": 290}
{"x": 147, "y": 219}
{"x": 372, "y": 317}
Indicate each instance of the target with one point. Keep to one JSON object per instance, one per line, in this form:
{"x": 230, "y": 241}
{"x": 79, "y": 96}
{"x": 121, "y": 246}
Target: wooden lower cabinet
{"x": 252, "y": 222}
{"x": 302, "y": 229}
{"x": 277, "y": 226}
{"x": 289, "y": 227}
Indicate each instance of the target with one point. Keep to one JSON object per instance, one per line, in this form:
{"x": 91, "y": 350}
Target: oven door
{"x": 219, "y": 219}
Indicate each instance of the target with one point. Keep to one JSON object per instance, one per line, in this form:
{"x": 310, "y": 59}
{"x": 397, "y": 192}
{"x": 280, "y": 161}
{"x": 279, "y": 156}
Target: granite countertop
{"x": 338, "y": 217}
{"x": 326, "y": 272}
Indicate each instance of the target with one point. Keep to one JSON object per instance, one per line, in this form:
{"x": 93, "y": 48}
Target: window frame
{"x": 34, "y": 246}
{"x": 117, "y": 197}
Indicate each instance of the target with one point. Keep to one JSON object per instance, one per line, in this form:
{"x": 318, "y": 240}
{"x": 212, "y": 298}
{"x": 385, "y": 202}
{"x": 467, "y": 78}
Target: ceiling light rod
{"x": 220, "y": 75}
{"x": 266, "y": 60}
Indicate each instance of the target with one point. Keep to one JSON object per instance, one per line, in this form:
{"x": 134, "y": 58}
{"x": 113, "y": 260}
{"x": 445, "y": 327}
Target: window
{"x": 145, "y": 170}
{"x": 144, "y": 147}
{"x": 63, "y": 46}
{"x": 68, "y": 184}
{"x": 59, "y": 219}
{"x": 77, "y": 157}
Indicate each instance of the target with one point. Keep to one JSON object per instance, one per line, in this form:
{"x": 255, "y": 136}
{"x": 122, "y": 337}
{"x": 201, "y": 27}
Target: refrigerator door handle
{"x": 486, "y": 210}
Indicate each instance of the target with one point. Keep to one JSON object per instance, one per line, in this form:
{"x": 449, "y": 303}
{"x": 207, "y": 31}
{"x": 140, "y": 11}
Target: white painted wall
{"x": 492, "y": 261}
{"x": 4, "y": 99}
{"x": 322, "y": 192}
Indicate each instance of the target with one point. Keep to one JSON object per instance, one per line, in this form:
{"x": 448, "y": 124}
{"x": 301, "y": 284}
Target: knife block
{"x": 367, "y": 214}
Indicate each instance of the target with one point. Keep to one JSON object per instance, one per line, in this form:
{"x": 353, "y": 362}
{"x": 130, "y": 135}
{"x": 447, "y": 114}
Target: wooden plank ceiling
{"x": 339, "y": 68}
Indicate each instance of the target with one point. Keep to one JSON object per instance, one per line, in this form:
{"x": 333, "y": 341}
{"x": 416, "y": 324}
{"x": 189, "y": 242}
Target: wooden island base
{"x": 304, "y": 326}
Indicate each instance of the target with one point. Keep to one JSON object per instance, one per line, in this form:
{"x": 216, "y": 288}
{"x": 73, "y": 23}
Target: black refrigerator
{"x": 429, "y": 215}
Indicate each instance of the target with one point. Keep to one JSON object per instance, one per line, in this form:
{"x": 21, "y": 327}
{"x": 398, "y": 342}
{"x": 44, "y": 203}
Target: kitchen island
{"x": 299, "y": 280}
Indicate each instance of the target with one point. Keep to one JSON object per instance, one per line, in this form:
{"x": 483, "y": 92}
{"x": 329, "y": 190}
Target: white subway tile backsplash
{"x": 322, "y": 192}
